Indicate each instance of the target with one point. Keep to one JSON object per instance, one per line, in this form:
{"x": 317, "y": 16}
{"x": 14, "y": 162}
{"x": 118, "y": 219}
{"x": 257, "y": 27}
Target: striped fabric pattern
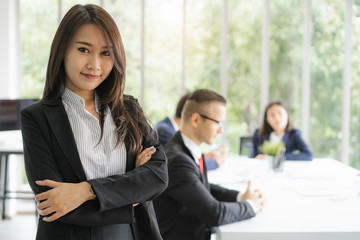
{"x": 99, "y": 159}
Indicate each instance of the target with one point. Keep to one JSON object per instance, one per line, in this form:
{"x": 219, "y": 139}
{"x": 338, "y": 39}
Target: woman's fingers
{"x": 145, "y": 155}
{"x": 148, "y": 151}
{"x": 141, "y": 148}
{"x": 47, "y": 183}
{"x": 62, "y": 199}
{"x": 43, "y": 205}
{"x": 46, "y": 211}
{"x": 53, "y": 217}
{"x": 142, "y": 160}
{"x": 41, "y": 196}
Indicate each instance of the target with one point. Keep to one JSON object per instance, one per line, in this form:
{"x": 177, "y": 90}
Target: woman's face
{"x": 88, "y": 60}
{"x": 277, "y": 117}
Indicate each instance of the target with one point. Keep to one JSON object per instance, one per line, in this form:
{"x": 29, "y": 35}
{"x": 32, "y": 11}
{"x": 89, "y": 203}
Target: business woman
{"x": 90, "y": 155}
{"x": 277, "y": 127}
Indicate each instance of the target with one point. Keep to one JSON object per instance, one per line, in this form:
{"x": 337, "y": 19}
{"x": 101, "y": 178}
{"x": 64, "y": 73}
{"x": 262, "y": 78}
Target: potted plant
{"x": 275, "y": 154}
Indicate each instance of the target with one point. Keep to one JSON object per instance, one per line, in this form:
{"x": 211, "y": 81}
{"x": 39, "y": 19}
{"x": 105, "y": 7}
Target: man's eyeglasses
{"x": 219, "y": 123}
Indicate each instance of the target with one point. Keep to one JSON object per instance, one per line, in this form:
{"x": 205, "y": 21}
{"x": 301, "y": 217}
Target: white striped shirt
{"x": 99, "y": 159}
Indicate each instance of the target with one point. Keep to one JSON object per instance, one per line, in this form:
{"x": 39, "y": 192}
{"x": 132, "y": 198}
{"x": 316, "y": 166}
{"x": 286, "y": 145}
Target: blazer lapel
{"x": 188, "y": 152}
{"x": 60, "y": 125}
{"x": 130, "y": 162}
{"x": 204, "y": 175}
{"x": 285, "y": 137}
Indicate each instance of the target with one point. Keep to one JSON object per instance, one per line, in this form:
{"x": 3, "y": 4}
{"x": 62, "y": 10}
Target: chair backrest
{"x": 10, "y": 112}
{"x": 245, "y": 144}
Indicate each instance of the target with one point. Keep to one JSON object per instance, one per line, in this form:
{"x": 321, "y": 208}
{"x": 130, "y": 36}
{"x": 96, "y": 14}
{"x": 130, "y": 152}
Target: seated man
{"x": 167, "y": 127}
{"x": 190, "y": 206}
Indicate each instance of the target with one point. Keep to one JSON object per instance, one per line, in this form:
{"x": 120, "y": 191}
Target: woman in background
{"x": 277, "y": 127}
{"x": 90, "y": 155}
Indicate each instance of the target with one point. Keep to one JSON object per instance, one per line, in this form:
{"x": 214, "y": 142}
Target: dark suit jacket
{"x": 190, "y": 205}
{"x": 166, "y": 130}
{"x": 296, "y": 148}
{"x": 50, "y": 153}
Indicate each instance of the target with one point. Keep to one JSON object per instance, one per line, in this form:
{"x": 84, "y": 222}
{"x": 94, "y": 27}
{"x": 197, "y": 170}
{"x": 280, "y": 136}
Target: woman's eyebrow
{"x": 90, "y": 45}
{"x": 85, "y": 43}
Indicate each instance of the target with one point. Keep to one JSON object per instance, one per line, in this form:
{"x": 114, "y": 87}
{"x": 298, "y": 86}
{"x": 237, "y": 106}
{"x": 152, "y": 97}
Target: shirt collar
{"x": 193, "y": 147}
{"x": 276, "y": 139}
{"x": 174, "y": 124}
{"x": 75, "y": 100}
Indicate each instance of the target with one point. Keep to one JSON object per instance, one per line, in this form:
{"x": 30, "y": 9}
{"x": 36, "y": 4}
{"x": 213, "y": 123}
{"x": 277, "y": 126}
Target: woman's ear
{"x": 266, "y": 120}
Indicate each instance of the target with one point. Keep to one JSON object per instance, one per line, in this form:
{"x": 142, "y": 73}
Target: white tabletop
{"x": 11, "y": 141}
{"x": 309, "y": 200}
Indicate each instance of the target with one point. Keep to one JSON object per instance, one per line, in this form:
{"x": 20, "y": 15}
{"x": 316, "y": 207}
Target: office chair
{"x": 245, "y": 143}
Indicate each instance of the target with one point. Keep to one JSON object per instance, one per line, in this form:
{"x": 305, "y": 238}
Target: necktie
{"x": 201, "y": 164}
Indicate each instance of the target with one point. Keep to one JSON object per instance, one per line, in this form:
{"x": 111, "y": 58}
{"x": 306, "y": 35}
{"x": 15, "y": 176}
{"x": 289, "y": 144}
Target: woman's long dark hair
{"x": 110, "y": 91}
{"x": 265, "y": 129}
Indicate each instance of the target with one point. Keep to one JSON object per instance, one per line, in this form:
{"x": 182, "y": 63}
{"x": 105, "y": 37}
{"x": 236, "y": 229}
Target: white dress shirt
{"x": 174, "y": 124}
{"x": 98, "y": 159}
{"x": 193, "y": 147}
{"x": 276, "y": 139}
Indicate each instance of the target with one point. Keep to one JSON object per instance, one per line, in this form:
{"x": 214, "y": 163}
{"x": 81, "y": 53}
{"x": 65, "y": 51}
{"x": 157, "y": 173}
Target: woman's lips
{"x": 90, "y": 76}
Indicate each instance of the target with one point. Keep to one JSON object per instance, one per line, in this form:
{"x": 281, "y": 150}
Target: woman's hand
{"x": 62, "y": 198}
{"x": 261, "y": 156}
{"x": 144, "y": 156}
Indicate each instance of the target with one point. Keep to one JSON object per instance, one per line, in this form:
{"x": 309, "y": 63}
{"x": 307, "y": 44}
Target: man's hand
{"x": 255, "y": 196}
{"x": 219, "y": 154}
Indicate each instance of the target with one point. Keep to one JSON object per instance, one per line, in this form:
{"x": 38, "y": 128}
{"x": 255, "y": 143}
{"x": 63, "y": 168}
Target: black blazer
{"x": 50, "y": 153}
{"x": 296, "y": 148}
{"x": 190, "y": 205}
{"x": 165, "y": 130}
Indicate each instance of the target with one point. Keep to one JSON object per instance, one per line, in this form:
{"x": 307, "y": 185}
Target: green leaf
{"x": 271, "y": 149}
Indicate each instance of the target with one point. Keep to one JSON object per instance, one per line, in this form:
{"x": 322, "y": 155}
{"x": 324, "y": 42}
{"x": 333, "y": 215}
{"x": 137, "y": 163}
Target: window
{"x": 355, "y": 90}
{"x": 286, "y": 38}
{"x": 36, "y": 35}
{"x": 163, "y": 59}
{"x": 327, "y": 64}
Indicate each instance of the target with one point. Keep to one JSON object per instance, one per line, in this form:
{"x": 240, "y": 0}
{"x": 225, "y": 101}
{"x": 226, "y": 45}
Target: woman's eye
{"x": 84, "y": 50}
{"x": 106, "y": 53}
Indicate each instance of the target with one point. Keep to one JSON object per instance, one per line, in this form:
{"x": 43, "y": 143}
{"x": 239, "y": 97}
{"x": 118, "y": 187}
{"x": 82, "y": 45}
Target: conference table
{"x": 317, "y": 199}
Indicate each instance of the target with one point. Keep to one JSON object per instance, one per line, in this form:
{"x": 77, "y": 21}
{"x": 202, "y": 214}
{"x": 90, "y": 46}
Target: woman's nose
{"x": 278, "y": 117}
{"x": 94, "y": 63}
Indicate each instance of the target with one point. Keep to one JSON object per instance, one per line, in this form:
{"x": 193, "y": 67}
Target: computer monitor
{"x": 10, "y": 112}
